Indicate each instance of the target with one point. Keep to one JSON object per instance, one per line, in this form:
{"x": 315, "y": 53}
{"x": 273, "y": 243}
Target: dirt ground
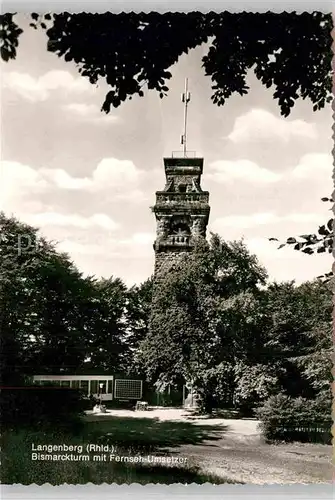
{"x": 240, "y": 453}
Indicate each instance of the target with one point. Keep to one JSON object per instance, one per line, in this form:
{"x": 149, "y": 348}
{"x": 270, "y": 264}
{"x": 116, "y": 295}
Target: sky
{"x": 88, "y": 180}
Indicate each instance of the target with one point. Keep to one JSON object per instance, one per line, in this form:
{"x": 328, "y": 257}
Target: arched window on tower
{"x": 180, "y": 229}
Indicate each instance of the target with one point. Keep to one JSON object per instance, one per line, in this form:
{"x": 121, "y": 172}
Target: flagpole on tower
{"x": 185, "y": 97}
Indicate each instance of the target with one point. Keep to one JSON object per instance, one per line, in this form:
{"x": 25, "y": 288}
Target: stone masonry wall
{"x": 164, "y": 261}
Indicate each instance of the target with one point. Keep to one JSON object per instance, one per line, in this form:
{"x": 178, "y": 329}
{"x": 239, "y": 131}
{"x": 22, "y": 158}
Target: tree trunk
{"x": 208, "y": 404}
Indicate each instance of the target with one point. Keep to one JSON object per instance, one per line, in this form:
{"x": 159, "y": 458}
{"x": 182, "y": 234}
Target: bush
{"x": 254, "y": 385}
{"x": 36, "y": 406}
{"x": 296, "y": 419}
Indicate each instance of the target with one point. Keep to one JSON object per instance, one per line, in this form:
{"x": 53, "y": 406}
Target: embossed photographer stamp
{"x": 165, "y": 248}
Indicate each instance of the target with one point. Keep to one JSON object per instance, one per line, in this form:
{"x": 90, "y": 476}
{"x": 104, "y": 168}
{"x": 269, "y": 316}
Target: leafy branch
{"x": 289, "y": 52}
{"x": 320, "y": 242}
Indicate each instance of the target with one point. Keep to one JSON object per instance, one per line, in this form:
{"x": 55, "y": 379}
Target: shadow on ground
{"x": 220, "y": 413}
{"x": 149, "y": 434}
{"x": 18, "y": 466}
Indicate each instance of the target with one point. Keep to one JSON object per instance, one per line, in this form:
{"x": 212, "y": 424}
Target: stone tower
{"x": 181, "y": 211}
{"x": 182, "y": 208}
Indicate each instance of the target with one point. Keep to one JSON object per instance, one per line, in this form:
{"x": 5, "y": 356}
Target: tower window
{"x": 182, "y": 188}
{"x": 180, "y": 229}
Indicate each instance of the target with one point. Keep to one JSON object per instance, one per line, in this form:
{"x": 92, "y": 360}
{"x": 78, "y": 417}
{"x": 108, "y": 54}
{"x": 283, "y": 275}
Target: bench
{"x": 141, "y": 406}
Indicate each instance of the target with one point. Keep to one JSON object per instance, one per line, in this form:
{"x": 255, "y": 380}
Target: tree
{"x": 139, "y": 300}
{"x": 62, "y": 314}
{"x": 299, "y": 326}
{"x": 315, "y": 362}
{"x": 288, "y": 51}
{"x": 300, "y": 336}
{"x": 255, "y": 383}
{"x": 44, "y": 304}
{"x": 193, "y": 321}
{"x": 51, "y": 317}
{"x": 106, "y": 328}
{"x": 216, "y": 323}
{"x": 11, "y": 297}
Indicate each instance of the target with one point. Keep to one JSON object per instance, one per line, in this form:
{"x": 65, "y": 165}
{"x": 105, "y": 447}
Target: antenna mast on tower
{"x": 185, "y": 97}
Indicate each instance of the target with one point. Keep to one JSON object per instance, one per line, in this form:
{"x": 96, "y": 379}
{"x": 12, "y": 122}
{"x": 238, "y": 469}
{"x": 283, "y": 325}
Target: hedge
{"x": 42, "y": 406}
{"x": 296, "y": 419}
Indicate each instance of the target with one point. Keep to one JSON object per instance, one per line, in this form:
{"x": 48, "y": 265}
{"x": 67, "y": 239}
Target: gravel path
{"x": 253, "y": 462}
{"x": 240, "y": 454}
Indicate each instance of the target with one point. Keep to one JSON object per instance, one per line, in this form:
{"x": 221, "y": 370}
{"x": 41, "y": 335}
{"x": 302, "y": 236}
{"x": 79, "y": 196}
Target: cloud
{"x": 135, "y": 246}
{"x": 75, "y": 248}
{"x": 91, "y": 113}
{"x": 133, "y": 195}
{"x": 22, "y": 189}
{"x": 113, "y": 172}
{"x": 266, "y": 218}
{"x": 79, "y": 221}
{"x": 19, "y": 176}
{"x": 258, "y": 125}
{"x": 110, "y": 173}
{"x": 63, "y": 179}
{"x": 39, "y": 88}
{"x": 302, "y": 217}
{"x": 314, "y": 166}
{"x": 138, "y": 245}
{"x": 143, "y": 239}
{"x": 19, "y": 186}
{"x": 244, "y": 221}
{"x": 82, "y": 109}
{"x": 246, "y": 170}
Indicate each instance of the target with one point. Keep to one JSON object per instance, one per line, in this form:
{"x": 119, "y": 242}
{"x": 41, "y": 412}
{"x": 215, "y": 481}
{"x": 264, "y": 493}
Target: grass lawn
{"x": 129, "y": 436}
